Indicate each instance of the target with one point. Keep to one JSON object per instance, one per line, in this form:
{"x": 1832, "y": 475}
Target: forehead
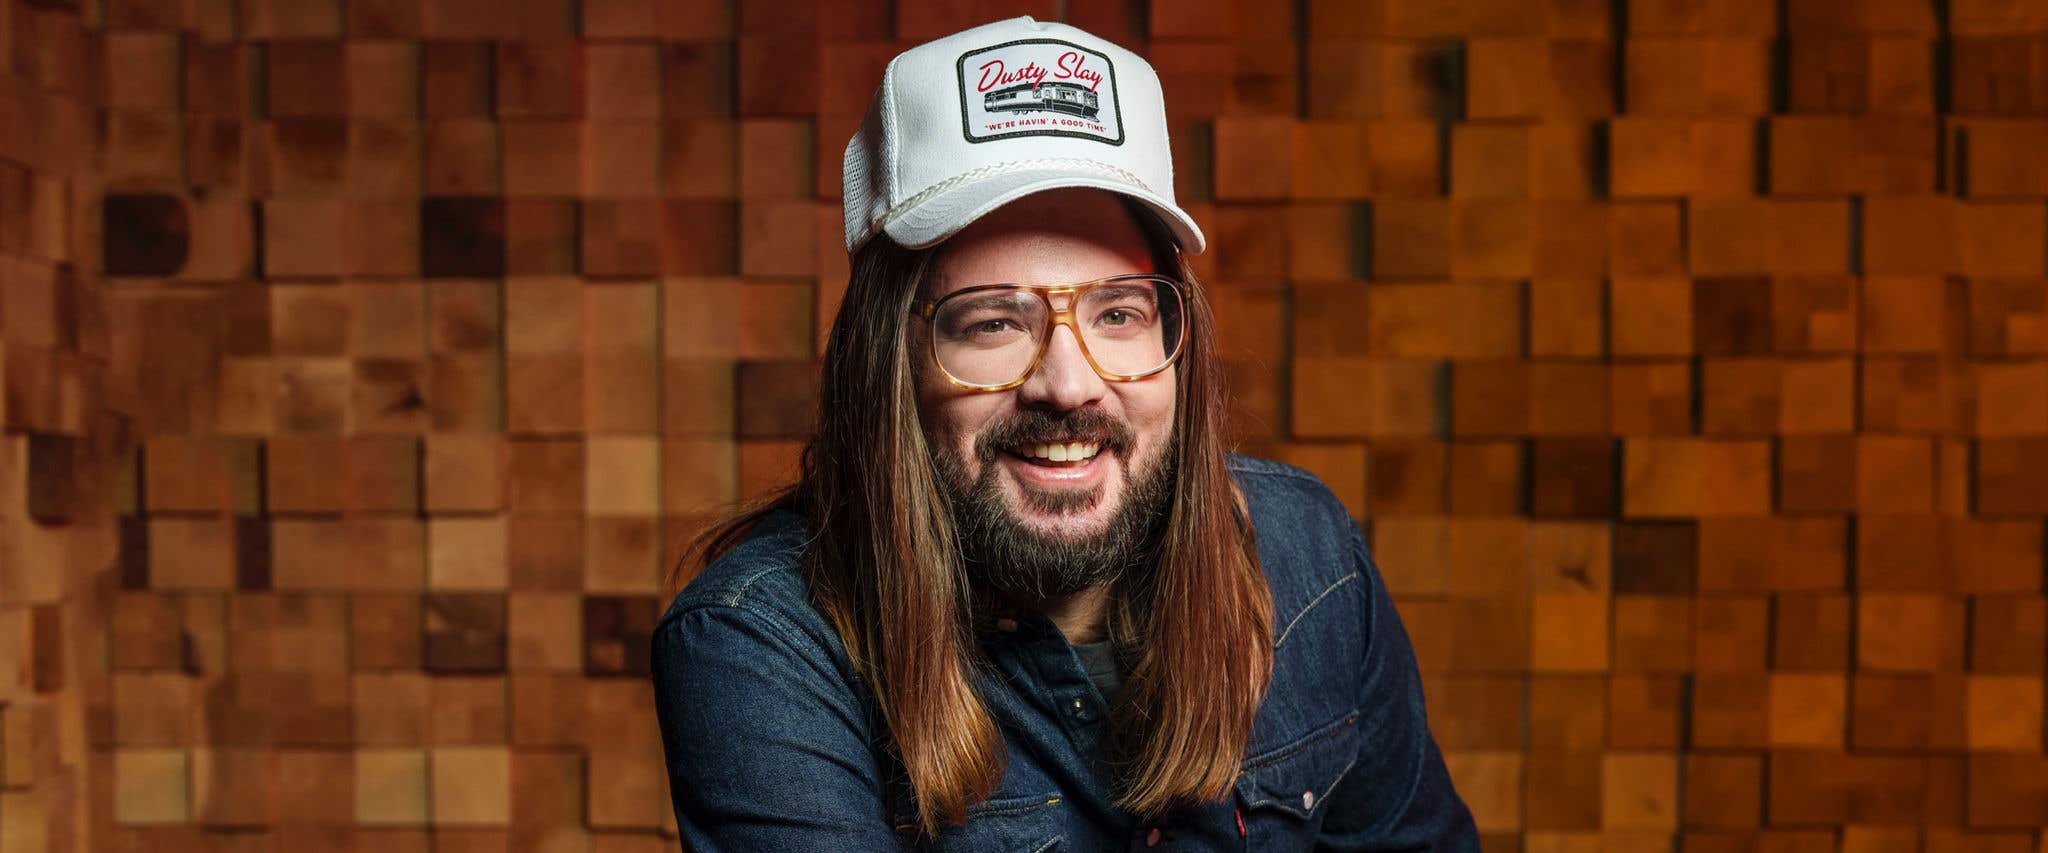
{"x": 1056, "y": 237}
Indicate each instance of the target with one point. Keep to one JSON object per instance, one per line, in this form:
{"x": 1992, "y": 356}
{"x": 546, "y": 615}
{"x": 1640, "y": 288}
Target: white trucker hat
{"x": 965, "y": 124}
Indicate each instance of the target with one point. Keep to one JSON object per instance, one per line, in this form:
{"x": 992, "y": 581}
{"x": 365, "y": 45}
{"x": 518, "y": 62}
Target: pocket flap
{"x": 1297, "y": 777}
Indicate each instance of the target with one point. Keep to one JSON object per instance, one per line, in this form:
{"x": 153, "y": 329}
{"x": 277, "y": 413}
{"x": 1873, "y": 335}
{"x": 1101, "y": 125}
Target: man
{"x": 1021, "y": 598}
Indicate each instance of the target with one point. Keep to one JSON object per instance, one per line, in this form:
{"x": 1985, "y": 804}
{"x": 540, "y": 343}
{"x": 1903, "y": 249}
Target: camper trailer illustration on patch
{"x": 1057, "y": 97}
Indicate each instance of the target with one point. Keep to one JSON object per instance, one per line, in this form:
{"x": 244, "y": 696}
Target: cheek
{"x": 1149, "y": 406}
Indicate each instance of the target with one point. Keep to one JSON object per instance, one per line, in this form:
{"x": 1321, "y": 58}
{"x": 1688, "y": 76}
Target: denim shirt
{"x": 773, "y": 743}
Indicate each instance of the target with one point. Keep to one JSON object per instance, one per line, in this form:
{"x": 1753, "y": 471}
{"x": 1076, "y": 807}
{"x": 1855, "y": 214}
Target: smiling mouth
{"x": 1058, "y": 453}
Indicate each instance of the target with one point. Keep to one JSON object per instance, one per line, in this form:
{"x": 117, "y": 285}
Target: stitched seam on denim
{"x": 1319, "y": 797}
{"x": 1047, "y": 845}
{"x": 1328, "y": 730}
{"x": 1041, "y": 802}
{"x": 1312, "y": 605}
{"x": 746, "y": 584}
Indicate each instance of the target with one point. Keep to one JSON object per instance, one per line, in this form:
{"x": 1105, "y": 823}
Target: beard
{"x": 1007, "y": 558}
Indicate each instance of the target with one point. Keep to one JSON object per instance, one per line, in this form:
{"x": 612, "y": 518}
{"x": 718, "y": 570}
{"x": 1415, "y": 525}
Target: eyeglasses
{"x": 990, "y": 337}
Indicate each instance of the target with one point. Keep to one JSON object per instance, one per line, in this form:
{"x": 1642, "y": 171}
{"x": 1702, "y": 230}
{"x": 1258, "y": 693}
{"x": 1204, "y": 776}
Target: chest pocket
{"x": 1280, "y": 794}
{"x": 1026, "y": 824}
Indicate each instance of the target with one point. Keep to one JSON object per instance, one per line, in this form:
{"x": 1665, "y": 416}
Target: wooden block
{"x": 1411, "y": 238}
{"x": 1913, "y": 640}
{"x": 1997, "y": 160}
{"x": 462, "y": 155}
{"x": 1723, "y": 791}
{"x": 1864, "y": 154}
{"x": 233, "y": 787}
{"x": 1732, "y": 316}
{"x": 2002, "y": 487}
{"x": 1811, "y": 632}
{"x": 1662, "y": 78}
{"x": 1740, "y": 396}
{"x": 543, "y": 631}
{"x": 1476, "y": 711}
{"x": 2006, "y": 317}
{"x": 1468, "y": 321}
{"x": 1907, "y": 712}
{"x": 1810, "y": 786}
{"x": 2007, "y": 789}
{"x": 1808, "y": 710}
{"x": 542, "y": 156}
{"x": 471, "y": 785}
{"x": 464, "y": 632}
{"x": 1813, "y": 314}
{"x": 313, "y": 786}
{"x": 1490, "y": 160}
{"x": 305, "y": 78}
{"x": 152, "y": 709}
{"x": 1731, "y": 710}
{"x": 1568, "y": 399}
{"x": 1406, "y": 477}
{"x": 1910, "y": 235}
{"x": 547, "y": 794}
{"x": 1651, "y": 316}
{"x": 391, "y": 787}
{"x": 622, "y": 158}
{"x": 544, "y": 476}
{"x": 1651, "y": 398}
{"x": 1672, "y": 476}
{"x": 1569, "y": 633}
{"x": 1257, "y": 241}
{"x": 466, "y": 553}
{"x": 777, "y": 76}
{"x": 547, "y": 709}
{"x": 621, "y": 237}
{"x": 1730, "y": 634}
{"x": 1486, "y": 557}
{"x": 1640, "y": 791}
{"x": 1654, "y": 558}
{"x": 302, "y": 237}
{"x": 621, "y": 555}
{"x": 2006, "y": 633}
{"x": 1566, "y": 317}
{"x": 2004, "y": 712}
{"x": 392, "y": 709}
{"x": 191, "y": 554}
{"x": 1652, "y": 633}
{"x": 462, "y": 237}
{"x": 1491, "y": 785}
{"x": 2011, "y": 399}
{"x": 2001, "y": 238}
{"x": 1567, "y": 713}
{"x": 1894, "y": 474}
{"x": 1407, "y": 157}
{"x": 536, "y": 79}
{"x": 1569, "y": 794}
{"x": 1572, "y": 477}
{"x": 151, "y": 787}
{"x": 1645, "y": 711}
{"x": 1490, "y": 238}
{"x": 776, "y": 239}
{"x": 467, "y": 710}
{"x": 1489, "y": 398}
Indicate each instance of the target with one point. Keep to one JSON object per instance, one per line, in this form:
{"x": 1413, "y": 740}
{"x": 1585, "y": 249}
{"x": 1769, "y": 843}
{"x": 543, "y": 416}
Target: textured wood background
{"x": 365, "y": 361}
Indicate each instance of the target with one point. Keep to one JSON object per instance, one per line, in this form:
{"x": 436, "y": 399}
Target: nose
{"x": 1064, "y": 380}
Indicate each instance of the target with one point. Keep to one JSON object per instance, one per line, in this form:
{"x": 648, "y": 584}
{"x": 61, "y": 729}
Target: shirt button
{"x": 1308, "y": 799}
{"x": 1006, "y": 624}
{"x": 1080, "y": 707}
{"x": 1152, "y": 838}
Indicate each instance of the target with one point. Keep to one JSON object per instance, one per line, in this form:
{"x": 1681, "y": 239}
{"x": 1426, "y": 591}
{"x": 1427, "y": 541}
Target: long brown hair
{"x": 1195, "y": 628}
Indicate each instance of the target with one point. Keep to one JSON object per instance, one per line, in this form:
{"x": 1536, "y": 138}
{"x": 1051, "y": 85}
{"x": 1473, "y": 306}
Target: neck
{"x": 1082, "y": 617}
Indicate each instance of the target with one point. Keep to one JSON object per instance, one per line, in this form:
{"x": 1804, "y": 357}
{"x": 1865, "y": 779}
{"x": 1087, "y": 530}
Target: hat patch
{"x": 1039, "y": 87}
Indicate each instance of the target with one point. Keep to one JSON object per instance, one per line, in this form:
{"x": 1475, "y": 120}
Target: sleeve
{"x": 766, "y": 744}
{"x": 1398, "y": 795}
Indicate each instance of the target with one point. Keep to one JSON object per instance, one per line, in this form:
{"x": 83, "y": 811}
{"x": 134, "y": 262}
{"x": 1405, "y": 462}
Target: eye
{"x": 1116, "y": 317}
{"x": 989, "y": 327}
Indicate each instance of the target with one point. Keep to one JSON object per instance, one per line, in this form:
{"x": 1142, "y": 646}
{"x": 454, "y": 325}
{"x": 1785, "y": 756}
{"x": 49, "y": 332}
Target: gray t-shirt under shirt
{"x": 1099, "y": 660}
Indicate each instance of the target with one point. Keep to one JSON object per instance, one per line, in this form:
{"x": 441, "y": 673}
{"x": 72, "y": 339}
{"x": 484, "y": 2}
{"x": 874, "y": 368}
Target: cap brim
{"x": 942, "y": 215}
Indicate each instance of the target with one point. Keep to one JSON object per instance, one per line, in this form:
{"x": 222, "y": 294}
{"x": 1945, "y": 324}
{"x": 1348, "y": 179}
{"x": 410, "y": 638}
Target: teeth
{"x": 1067, "y": 451}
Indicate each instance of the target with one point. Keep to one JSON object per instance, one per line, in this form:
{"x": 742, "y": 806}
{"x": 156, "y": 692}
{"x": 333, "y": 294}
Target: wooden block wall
{"x": 1686, "y": 361}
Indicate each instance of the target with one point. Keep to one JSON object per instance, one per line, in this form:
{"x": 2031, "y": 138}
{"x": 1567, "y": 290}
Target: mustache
{"x": 1038, "y": 426}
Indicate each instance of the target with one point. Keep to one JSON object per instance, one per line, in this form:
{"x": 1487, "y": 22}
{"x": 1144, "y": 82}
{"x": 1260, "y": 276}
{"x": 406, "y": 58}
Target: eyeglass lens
{"x": 991, "y": 337}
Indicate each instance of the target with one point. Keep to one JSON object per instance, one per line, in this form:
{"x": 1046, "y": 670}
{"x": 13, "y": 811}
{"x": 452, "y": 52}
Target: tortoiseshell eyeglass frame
{"x": 929, "y": 308}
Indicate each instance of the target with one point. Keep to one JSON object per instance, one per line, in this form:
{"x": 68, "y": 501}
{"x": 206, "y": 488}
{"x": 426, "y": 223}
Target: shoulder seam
{"x": 1248, "y": 465}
